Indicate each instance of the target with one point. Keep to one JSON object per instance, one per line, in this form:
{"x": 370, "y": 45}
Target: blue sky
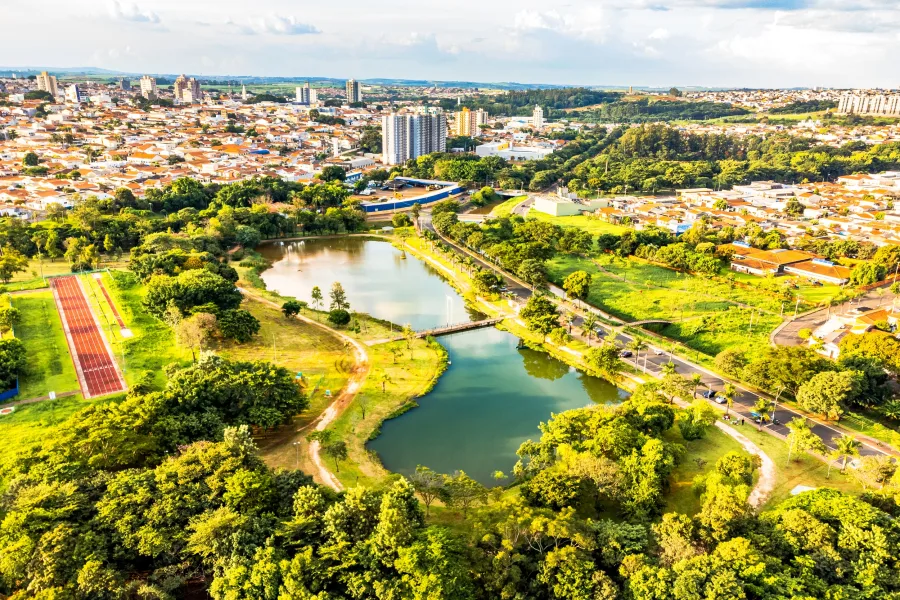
{"x": 754, "y": 43}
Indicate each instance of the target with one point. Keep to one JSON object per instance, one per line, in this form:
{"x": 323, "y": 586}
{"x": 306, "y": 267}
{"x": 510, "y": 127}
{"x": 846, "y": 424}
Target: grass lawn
{"x": 702, "y": 321}
{"x": 700, "y": 459}
{"x": 50, "y": 367}
{"x": 30, "y": 423}
{"x": 589, "y": 224}
{"x": 504, "y": 209}
{"x": 152, "y": 346}
{"x": 301, "y": 348}
{"x": 803, "y": 469}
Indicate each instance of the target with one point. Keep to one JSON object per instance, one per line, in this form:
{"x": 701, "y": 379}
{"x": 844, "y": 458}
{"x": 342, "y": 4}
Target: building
{"x": 125, "y": 84}
{"x": 469, "y": 122}
{"x": 243, "y": 92}
{"x": 754, "y": 261}
{"x": 354, "y": 95}
{"x": 148, "y": 87}
{"x": 509, "y": 151}
{"x": 47, "y": 83}
{"x": 865, "y": 104}
{"x": 404, "y": 137}
{"x": 75, "y": 95}
{"x": 557, "y": 206}
{"x": 537, "y": 118}
{"x": 187, "y": 90}
{"x": 818, "y": 269}
{"x": 306, "y": 95}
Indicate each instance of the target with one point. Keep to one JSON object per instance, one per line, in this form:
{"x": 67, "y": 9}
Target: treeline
{"x": 162, "y": 495}
{"x": 533, "y": 175}
{"x": 522, "y": 102}
{"x": 655, "y": 157}
{"x": 646, "y": 110}
{"x": 803, "y": 107}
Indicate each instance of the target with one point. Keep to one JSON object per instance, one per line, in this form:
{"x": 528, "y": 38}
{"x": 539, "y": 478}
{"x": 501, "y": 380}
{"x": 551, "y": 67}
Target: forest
{"x": 645, "y": 110}
{"x": 554, "y": 101}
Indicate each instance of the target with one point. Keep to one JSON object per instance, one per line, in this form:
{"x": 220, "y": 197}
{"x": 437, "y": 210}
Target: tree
{"x": 409, "y": 334}
{"x": 317, "y": 297}
{"x": 338, "y": 317}
{"x": 461, "y": 491}
{"x": 416, "y": 210}
{"x": 761, "y": 408}
{"x": 540, "y": 314}
{"x": 337, "y": 451}
{"x": 339, "y": 297}
{"x": 428, "y": 484}
{"x": 11, "y": 262}
{"x": 801, "y": 438}
{"x": 827, "y": 393}
{"x": 577, "y": 285}
{"x": 9, "y": 316}
{"x": 588, "y": 324}
{"x": 291, "y": 308}
{"x": 194, "y": 331}
{"x": 532, "y": 272}
{"x": 696, "y": 381}
{"x": 30, "y": 160}
{"x": 696, "y": 419}
{"x": 605, "y": 359}
{"x": 239, "y": 325}
{"x": 13, "y": 359}
{"x": 333, "y": 173}
{"x": 194, "y": 287}
{"x": 729, "y": 392}
{"x": 846, "y": 447}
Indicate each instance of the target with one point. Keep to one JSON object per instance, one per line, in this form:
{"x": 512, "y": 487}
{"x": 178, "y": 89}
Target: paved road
{"x": 651, "y": 361}
{"x": 787, "y": 335}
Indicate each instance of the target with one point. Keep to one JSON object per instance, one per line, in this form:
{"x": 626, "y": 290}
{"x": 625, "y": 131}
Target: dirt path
{"x": 767, "y": 474}
{"x": 354, "y": 383}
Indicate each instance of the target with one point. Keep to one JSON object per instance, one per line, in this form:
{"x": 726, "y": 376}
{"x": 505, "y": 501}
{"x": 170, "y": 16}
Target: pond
{"x": 378, "y": 278}
{"x": 490, "y": 400}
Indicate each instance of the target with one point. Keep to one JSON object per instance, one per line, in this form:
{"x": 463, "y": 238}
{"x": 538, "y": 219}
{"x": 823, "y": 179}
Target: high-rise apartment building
{"x": 306, "y": 95}
{"x": 125, "y": 84}
{"x": 148, "y": 86}
{"x": 537, "y": 118}
{"x": 864, "y": 104}
{"x": 187, "y": 90}
{"x": 353, "y": 93}
{"x": 404, "y": 137}
{"x": 75, "y": 95}
{"x": 469, "y": 122}
{"x": 47, "y": 83}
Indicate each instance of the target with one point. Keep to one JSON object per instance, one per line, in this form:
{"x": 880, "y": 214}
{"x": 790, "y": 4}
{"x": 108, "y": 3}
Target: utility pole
{"x": 797, "y": 307}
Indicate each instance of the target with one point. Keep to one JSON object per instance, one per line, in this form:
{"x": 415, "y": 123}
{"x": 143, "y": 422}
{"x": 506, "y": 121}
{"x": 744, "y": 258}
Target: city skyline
{"x": 709, "y": 43}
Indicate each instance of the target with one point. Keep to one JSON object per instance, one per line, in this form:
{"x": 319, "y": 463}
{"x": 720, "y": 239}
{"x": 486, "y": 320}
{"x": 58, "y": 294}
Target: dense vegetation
{"x": 522, "y": 102}
{"x": 804, "y": 107}
{"x": 646, "y": 110}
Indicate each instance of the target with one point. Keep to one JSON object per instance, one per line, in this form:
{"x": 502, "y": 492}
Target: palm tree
{"x": 669, "y": 368}
{"x": 847, "y": 446}
{"x": 762, "y": 408}
{"x": 637, "y": 345}
{"x": 569, "y": 320}
{"x": 728, "y": 393}
{"x": 588, "y": 324}
{"x": 696, "y": 380}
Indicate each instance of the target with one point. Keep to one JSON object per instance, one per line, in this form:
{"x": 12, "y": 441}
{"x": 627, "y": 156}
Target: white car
{"x": 658, "y": 352}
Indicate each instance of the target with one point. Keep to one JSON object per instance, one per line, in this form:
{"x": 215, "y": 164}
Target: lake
{"x": 379, "y": 279}
{"x": 490, "y": 400}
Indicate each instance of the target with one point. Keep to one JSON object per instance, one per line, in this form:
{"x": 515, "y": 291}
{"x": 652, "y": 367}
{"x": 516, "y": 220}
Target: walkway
{"x": 354, "y": 383}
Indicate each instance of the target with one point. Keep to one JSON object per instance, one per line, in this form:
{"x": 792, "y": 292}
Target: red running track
{"x": 97, "y": 371}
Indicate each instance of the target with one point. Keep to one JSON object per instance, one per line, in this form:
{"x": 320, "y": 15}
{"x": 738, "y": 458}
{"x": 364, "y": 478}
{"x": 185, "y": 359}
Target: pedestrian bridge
{"x": 650, "y": 322}
{"x": 458, "y": 327}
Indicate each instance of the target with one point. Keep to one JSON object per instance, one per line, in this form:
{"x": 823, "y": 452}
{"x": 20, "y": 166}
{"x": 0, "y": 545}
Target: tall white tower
{"x": 538, "y": 117}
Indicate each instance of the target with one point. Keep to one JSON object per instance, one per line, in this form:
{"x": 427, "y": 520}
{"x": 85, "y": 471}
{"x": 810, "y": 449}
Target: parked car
{"x": 720, "y": 400}
{"x": 625, "y": 354}
{"x": 709, "y": 394}
{"x": 658, "y": 351}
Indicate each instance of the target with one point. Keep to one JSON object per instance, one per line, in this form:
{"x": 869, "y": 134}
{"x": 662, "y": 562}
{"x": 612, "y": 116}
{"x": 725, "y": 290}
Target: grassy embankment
{"x": 592, "y": 225}
{"x": 504, "y": 209}
{"x": 406, "y": 376}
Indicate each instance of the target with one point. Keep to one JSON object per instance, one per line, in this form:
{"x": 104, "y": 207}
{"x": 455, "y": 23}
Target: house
{"x": 556, "y": 206}
{"x": 763, "y": 262}
{"x": 856, "y": 321}
{"x": 820, "y": 270}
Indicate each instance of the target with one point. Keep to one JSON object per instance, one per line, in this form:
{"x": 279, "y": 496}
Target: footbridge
{"x": 467, "y": 326}
{"x": 650, "y": 322}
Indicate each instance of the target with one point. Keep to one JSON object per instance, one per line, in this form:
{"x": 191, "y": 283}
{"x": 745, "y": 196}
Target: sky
{"x": 658, "y": 43}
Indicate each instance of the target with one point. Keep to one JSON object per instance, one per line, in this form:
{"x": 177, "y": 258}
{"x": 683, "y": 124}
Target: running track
{"x": 97, "y": 371}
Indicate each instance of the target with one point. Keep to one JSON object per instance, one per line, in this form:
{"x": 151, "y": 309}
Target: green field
{"x": 504, "y": 209}
{"x": 700, "y": 319}
{"x": 592, "y": 225}
{"x": 50, "y": 366}
{"x": 31, "y": 422}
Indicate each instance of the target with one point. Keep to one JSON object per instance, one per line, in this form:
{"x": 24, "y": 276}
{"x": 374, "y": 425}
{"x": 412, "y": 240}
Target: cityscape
{"x": 536, "y": 337}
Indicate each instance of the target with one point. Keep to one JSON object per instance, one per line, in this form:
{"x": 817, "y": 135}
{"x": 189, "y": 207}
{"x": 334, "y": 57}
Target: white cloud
{"x": 659, "y": 33}
{"x": 274, "y": 25}
{"x": 130, "y": 12}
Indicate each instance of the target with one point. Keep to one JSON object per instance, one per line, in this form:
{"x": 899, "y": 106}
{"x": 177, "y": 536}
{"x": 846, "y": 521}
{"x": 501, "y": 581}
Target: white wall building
{"x": 404, "y": 137}
{"x": 865, "y": 104}
{"x": 510, "y": 151}
{"x": 305, "y": 95}
{"x": 537, "y": 118}
{"x": 148, "y": 86}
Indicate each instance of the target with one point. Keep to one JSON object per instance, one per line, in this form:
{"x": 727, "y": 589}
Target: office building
{"x": 537, "y": 118}
{"x": 469, "y": 122}
{"x": 75, "y": 95}
{"x": 47, "y": 83}
{"x": 353, "y": 93}
{"x": 865, "y": 104}
{"x": 404, "y": 137}
{"x": 148, "y": 87}
{"x": 125, "y": 84}
{"x": 305, "y": 95}
{"x": 187, "y": 90}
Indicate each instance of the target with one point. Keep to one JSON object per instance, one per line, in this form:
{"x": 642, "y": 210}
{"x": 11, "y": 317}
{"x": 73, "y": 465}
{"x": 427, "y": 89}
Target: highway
{"x": 650, "y": 361}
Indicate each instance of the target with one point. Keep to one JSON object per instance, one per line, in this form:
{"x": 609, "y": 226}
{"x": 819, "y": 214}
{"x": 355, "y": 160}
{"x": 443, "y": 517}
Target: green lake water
{"x": 491, "y": 399}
